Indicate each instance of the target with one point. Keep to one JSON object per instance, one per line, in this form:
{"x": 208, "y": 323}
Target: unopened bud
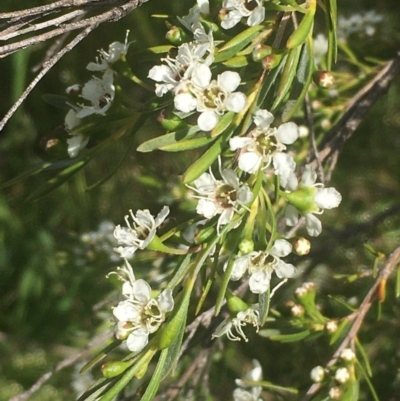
{"x": 348, "y": 355}
{"x": 176, "y": 36}
{"x": 302, "y": 246}
{"x": 324, "y": 79}
{"x": 297, "y": 310}
{"x": 272, "y": 61}
{"x": 331, "y": 326}
{"x": 246, "y": 246}
{"x": 111, "y": 369}
{"x": 260, "y": 51}
{"x": 170, "y": 121}
{"x": 342, "y": 375}
{"x": 335, "y": 393}
{"x": 236, "y": 304}
{"x": 317, "y": 374}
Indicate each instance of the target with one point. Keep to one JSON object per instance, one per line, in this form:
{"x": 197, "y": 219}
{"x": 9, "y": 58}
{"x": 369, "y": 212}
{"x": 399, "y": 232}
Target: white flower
{"x": 260, "y": 265}
{"x": 140, "y": 233}
{"x": 180, "y": 69}
{"x": 263, "y": 143}
{"x": 139, "y": 314}
{"x": 348, "y": 355}
{"x": 251, "y": 316}
{"x": 76, "y": 143}
{"x": 316, "y": 199}
{"x": 237, "y": 9}
{"x": 116, "y": 51}
{"x": 191, "y": 21}
{"x": 223, "y": 197}
{"x": 100, "y": 92}
{"x": 240, "y": 394}
{"x": 212, "y": 98}
{"x": 320, "y": 47}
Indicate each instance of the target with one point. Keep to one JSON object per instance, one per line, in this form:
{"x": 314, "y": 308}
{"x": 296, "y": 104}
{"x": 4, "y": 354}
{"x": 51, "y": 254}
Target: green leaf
{"x": 236, "y": 44}
{"x": 287, "y": 338}
{"x": 100, "y": 356}
{"x": 267, "y": 84}
{"x": 236, "y": 62}
{"x": 352, "y": 392}
{"x": 264, "y": 301}
{"x": 223, "y": 124}
{"x": 364, "y": 357}
{"x": 288, "y": 74}
{"x": 207, "y": 159}
{"x": 58, "y": 180}
{"x": 368, "y": 380}
{"x": 157, "y": 245}
{"x": 173, "y": 352}
{"x": 167, "y": 139}
{"x": 299, "y": 36}
{"x": 97, "y": 389}
{"x": 302, "y": 81}
{"x": 59, "y": 101}
{"x": 187, "y": 144}
{"x": 152, "y": 388}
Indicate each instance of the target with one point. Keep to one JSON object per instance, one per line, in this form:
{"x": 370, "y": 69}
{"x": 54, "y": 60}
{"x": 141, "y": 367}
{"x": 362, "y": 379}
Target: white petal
{"x": 161, "y": 216}
{"x": 313, "y": 225}
{"x": 259, "y": 282}
{"x": 244, "y": 195}
{"x": 225, "y": 217}
{"x": 75, "y": 144}
{"x": 207, "y": 121}
{"x": 126, "y": 312}
{"x": 240, "y": 266}
{"x": 160, "y": 73}
{"x": 204, "y": 6}
{"x": 126, "y": 252}
{"x": 327, "y": 198}
{"x": 284, "y": 270}
{"x": 229, "y": 80}
{"x": 207, "y": 208}
{"x": 236, "y": 102}
{"x": 284, "y": 166}
{"x": 309, "y": 176}
{"x": 185, "y": 102}
{"x": 230, "y": 178}
{"x": 263, "y": 119}
{"x": 201, "y": 75}
{"x": 287, "y": 133}
{"x": 255, "y": 374}
{"x": 291, "y": 215}
{"x": 281, "y": 248}
{"x": 205, "y": 184}
{"x": 137, "y": 340}
{"x": 239, "y": 142}
{"x": 256, "y": 17}
{"x": 141, "y": 291}
{"x": 166, "y": 301}
{"x": 250, "y": 162}
{"x": 71, "y": 121}
{"x": 232, "y": 19}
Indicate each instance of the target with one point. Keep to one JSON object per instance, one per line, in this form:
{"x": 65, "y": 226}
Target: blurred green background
{"x": 53, "y": 264}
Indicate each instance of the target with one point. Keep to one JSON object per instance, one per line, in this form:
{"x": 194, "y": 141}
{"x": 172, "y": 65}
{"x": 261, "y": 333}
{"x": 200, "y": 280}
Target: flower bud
{"x": 260, "y": 51}
{"x": 297, "y": 310}
{"x": 272, "y": 61}
{"x": 302, "y": 246}
{"x": 171, "y": 121}
{"x": 342, "y": 375}
{"x": 176, "y": 36}
{"x": 317, "y": 374}
{"x": 303, "y": 199}
{"x": 335, "y": 393}
{"x": 235, "y": 304}
{"x": 348, "y": 355}
{"x": 331, "y": 326}
{"x": 324, "y": 79}
{"x": 246, "y": 246}
{"x": 111, "y": 369}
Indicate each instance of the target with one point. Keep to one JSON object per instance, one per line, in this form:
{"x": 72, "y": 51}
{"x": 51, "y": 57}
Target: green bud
{"x": 246, "y": 246}
{"x": 235, "y": 304}
{"x": 260, "y": 51}
{"x": 272, "y": 61}
{"x": 142, "y": 370}
{"x": 324, "y": 79}
{"x": 302, "y": 199}
{"x": 176, "y": 36}
{"x": 111, "y": 369}
{"x": 170, "y": 121}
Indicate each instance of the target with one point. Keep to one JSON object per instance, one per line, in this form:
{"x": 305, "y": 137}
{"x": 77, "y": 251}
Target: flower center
{"x": 250, "y": 4}
{"x": 213, "y": 97}
{"x": 261, "y": 262}
{"x": 226, "y": 196}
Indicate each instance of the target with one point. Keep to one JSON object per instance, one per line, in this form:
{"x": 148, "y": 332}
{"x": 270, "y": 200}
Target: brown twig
{"x": 355, "y": 112}
{"x": 358, "y": 317}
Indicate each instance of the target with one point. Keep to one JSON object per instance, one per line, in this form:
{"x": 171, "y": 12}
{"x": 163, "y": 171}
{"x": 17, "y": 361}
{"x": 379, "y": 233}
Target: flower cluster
{"x": 363, "y": 23}
{"x": 235, "y": 10}
{"x": 139, "y": 314}
{"x": 189, "y": 77}
{"x": 98, "y": 92}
